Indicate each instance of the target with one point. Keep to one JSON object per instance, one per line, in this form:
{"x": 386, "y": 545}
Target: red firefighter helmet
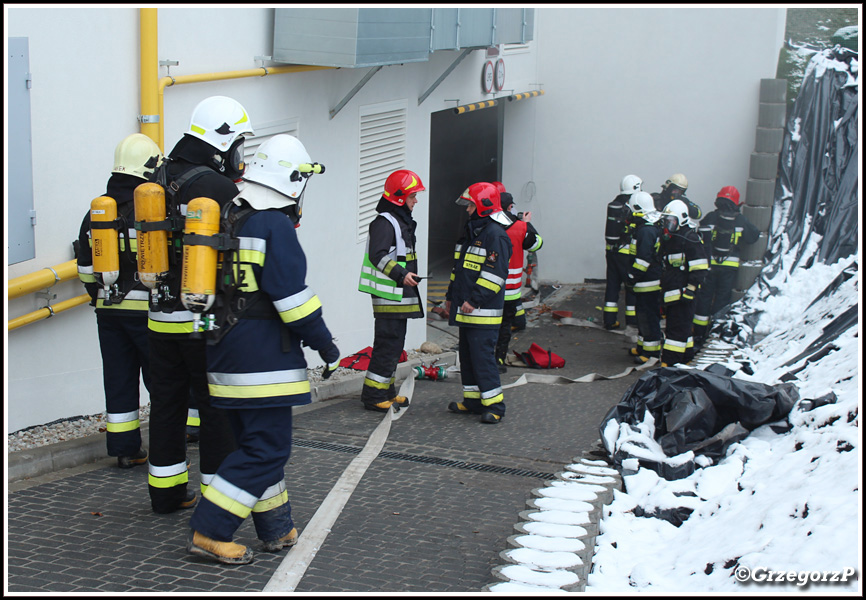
{"x": 400, "y": 184}
{"x": 499, "y": 186}
{"x": 484, "y": 196}
{"x": 731, "y": 193}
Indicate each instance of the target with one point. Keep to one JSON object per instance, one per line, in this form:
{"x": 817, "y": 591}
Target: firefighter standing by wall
{"x": 121, "y": 311}
{"x": 724, "y": 231}
{"x": 204, "y": 163}
{"x": 477, "y": 295}
{"x": 617, "y": 254}
{"x": 257, "y": 371}
{"x": 389, "y": 275}
{"x": 674, "y": 188}
{"x": 684, "y": 266}
{"x": 524, "y": 238}
{"x": 644, "y": 277}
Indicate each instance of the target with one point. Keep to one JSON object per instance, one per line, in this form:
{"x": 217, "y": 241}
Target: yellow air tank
{"x": 106, "y": 257}
{"x": 198, "y": 283}
{"x": 152, "y": 245}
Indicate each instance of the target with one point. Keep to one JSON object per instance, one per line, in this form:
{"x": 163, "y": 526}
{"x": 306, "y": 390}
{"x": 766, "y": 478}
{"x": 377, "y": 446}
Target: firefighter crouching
{"x": 389, "y": 274}
{"x": 475, "y": 300}
{"x": 257, "y": 371}
{"x": 107, "y": 260}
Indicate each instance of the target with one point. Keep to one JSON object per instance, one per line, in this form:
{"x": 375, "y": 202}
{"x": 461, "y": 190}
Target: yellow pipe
{"x": 149, "y": 72}
{"x": 169, "y": 81}
{"x": 42, "y": 279}
{"x": 44, "y": 313}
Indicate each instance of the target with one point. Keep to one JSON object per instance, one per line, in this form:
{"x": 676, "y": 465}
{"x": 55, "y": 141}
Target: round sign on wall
{"x": 487, "y": 77}
{"x": 499, "y": 75}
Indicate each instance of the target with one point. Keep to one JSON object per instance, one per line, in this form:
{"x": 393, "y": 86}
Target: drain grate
{"x": 430, "y": 460}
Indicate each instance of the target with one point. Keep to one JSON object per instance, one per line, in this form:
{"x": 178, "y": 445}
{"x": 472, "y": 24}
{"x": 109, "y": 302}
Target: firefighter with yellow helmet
{"x": 107, "y": 261}
{"x": 389, "y": 274}
{"x": 256, "y": 370}
{"x": 205, "y": 163}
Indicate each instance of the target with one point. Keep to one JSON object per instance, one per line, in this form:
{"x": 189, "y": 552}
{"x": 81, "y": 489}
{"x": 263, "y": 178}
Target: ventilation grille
{"x": 430, "y": 460}
{"x": 382, "y": 150}
{"x": 266, "y": 132}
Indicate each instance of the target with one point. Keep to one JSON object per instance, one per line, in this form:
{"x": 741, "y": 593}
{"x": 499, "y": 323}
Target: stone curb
{"x": 573, "y": 504}
{"x": 26, "y": 464}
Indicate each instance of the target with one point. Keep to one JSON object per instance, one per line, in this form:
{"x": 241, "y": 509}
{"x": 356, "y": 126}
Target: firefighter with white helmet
{"x": 389, "y": 274}
{"x": 205, "y": 163}
{"x": 617, "y": 254}
{"x": 725, "y": 231}
{"x": 644, "y": 276}
{"x": 684, "y": 267}
{"x": 257, "y": 371}
{"x": 475, "y": 300}
{"x": 121, "y": 304}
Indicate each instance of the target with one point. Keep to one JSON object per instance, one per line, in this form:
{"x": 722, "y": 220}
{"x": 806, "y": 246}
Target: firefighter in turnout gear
{"x": 389, "y": 274}
{"x": 617, "y": 254}
{"x": 257, "y": 371}
{"x": 674, "y": 188}
{"x": 203, "y": 164}
{"x": 121, "y": 307}
{"x": 644, "y": 277}
{"x": 475, "y": 299}
{"x": 684, "y": 266}
{"x": 524, "y": 238}
{"x": 724, "y": 231}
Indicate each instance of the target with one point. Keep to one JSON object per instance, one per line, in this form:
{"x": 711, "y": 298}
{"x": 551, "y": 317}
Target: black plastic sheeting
{"x": 704, "y": 411}
{"x": 816, "y": 190}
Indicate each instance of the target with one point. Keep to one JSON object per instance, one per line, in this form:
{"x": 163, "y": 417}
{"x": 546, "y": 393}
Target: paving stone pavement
{"x": 433, "y": 512}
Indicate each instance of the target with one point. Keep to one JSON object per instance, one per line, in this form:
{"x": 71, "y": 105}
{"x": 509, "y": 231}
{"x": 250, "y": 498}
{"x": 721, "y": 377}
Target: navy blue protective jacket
{"x": 260, "y": 362}
{"x": 480, "y": 269}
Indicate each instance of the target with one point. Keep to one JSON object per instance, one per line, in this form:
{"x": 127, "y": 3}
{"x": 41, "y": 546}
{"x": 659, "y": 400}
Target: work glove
{"x": 331, "y": 356}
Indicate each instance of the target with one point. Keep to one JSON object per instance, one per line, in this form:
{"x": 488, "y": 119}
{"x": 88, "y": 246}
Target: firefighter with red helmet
{"x": 524, "y": 238}
{"x": 390, "y": 275}
{"x": 475, "y": 300}
{"x": 724, "y": 231}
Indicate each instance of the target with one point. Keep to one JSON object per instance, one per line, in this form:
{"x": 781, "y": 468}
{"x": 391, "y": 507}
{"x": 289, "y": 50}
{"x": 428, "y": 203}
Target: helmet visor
{"x": 670, "y": 222}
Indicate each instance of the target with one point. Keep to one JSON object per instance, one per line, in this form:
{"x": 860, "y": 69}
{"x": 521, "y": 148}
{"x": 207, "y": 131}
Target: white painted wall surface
{"x": 610, "y": 108}
{"x": 649, "y": 91}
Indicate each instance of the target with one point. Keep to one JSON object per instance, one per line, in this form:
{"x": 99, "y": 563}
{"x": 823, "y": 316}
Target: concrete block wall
{"x": 761, "y": 185}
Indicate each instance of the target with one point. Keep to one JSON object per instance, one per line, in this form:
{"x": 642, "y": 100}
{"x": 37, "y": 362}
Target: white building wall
{"x": 611, "y": 107}
{"x": 649, "y": 91}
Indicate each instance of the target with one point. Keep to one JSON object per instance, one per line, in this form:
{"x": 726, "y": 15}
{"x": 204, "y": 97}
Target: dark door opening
{"x": 464, "y": 149}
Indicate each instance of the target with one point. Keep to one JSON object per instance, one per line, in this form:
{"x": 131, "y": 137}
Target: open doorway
{"x": 464, "y": 149}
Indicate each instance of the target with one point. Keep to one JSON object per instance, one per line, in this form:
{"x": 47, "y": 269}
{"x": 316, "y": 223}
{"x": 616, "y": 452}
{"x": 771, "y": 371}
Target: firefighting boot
{"x": 400, "y": 401}
{"x": 457, "y": 407}
{"x": 127, "y": 462}
{"x": 490, "y": 418}
{"x": 382, "y": 406}
{"x": 287, "y": 541}
{"x": 227, "y": 553}
{"x": 634, "y": 351}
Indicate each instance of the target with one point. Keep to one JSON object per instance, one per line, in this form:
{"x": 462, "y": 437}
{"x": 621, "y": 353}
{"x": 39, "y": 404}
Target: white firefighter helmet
{"x": 642, "y": 205}
{"x": 219, "y": 121}
{"x": 137, "y": 155}
{"x": 630, "y": 184}
{"x": 282, "y": 165}
{"x": 676, "y": 215}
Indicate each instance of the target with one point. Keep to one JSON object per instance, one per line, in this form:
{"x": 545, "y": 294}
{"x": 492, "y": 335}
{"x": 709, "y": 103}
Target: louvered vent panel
{"x": 382, "y": 150}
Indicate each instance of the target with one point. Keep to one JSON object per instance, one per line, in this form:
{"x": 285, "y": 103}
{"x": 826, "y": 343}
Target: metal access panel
{"x": 22, "y": 218}
{"x": 458, "y": 28}
{"x": 351, "y": 37}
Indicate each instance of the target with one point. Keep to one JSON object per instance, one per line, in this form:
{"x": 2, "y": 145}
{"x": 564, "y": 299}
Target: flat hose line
{"x": 298, "y": 559}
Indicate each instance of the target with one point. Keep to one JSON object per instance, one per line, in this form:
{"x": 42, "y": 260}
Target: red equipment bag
{"x": 539, "y": 358}
{"x": 360, "y": 360}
